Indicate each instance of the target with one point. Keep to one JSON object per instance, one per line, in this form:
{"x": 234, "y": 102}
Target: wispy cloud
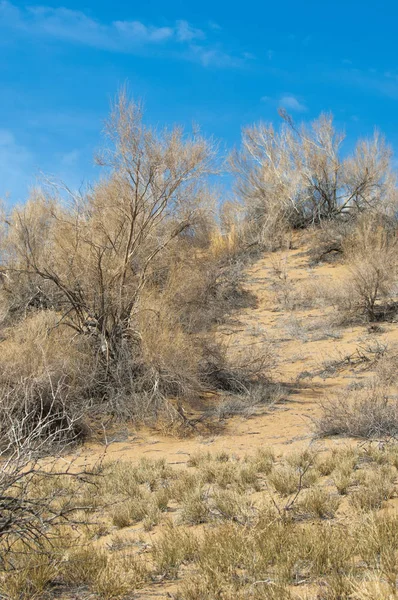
{"x": 378, "y": 83}
{"x": 214, "y": 57}
{"x": 292, "y": 103}
{"x": 124, "y": 36}
{"x": 186, "y": 33}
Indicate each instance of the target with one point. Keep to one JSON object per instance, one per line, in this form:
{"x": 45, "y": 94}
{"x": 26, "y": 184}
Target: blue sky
{"x": 221, "y": 64}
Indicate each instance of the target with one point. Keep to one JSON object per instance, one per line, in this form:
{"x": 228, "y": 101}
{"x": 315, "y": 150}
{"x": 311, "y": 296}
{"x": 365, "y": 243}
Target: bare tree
{"x": 92, "y": 258}
{"x": 297, "y": 175}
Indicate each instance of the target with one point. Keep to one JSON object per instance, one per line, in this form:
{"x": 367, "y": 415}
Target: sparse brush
{"x": 121, "y": 515}
{"x": 120, "y": 477}
{"x": 198, "y": 459}
{"x": 371, "y": 258}
{"x": 366, "y": 413}
{"x": 161, "y": 498}
{"x": 153, "y": 473}
{"x": 377, "y": 533}
{"x": 122, "y": 575}
{"x": 387, "y": 369}
{"x": 152, "y": 518}
{"x": 392, "y": 453}
{"x": 194, "y": 507}
{"x": 342, "y": 480}
{"x": 379, "y": 455}
{"x": 224, "y": 474}
{"x": 184, "y": 484}
{"x": 222, "y": 456}
{"x": 336, "y": 587}
{"x": 343, "y": 474}
{"x": 248, "y": 477}
{"x": 376, "y": 487}
{"x": 318, "y": 502}
{"x": 174, "y": 547}
{"x": 263, "y": 460}
{"x": 232, "y": 506}
{"x": 29, "y": 576}
{"x": 83, "y": 565}
{"x": 129, "y": 511}
{"x": 284, "y": 479}
{"x": 302, "y": 460}
{"x": 329, "y": 550}
{"x": 223, "y": 551}
{"x": 200, "y": 587}
{"x": 373, "y": 588}
{"x": 288, "y": 479}
{"x": 327, "y": 464}
{"x": 266, "y": 591}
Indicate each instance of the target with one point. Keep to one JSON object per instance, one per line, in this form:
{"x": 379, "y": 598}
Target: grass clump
{"x": 175, "y": 546}
{"x": 319, "y": 503}
{"x": 194, "y": 507}
{"x": 376, "y": 486}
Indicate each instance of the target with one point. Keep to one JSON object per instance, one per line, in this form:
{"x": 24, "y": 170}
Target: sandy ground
{"x": 303, "y": 343}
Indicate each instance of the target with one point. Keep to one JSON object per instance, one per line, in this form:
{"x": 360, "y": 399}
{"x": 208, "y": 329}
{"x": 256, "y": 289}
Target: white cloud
{"x": 291, "y": 103}
{"x": 186, "y": 33}
{"x": 135, "y": 31}
{"x": 213, "y": 57}
{"x": 74, "y": 26}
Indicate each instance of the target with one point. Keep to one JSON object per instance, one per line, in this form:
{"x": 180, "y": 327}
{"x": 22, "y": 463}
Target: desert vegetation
{"x": 109, "y": 297}
{"x": 257, "y": 526}
{"x": 146, "y": 300}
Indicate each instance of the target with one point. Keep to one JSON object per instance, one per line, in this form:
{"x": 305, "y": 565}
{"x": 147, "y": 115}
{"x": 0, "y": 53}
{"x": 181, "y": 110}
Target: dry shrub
{"x": 366, "y": 413}
{"x": 296, "y": 176}
{"x": 387, "y": 369}
{"x": 262, "y": 461}
{"x": 169, "y": 354}
{"x": 288, "y": 479}
{"x": 343, "y": 477}
{"x": 44, "y": 372}
{"x": 371, "y": 257}
{"x": 327, "y": 240}
{"x": 113, "y": 296}
{"x": 225, "y": 244}
{"x": 239, "y": 369}
{"x": 201, "y": 290}
{"x": 327, "y": 464}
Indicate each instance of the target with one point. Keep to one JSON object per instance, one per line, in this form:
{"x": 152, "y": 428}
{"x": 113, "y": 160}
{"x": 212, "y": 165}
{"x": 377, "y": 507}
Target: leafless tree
{"x": 298, "y": 176}
{"x": 91, "y": 258}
